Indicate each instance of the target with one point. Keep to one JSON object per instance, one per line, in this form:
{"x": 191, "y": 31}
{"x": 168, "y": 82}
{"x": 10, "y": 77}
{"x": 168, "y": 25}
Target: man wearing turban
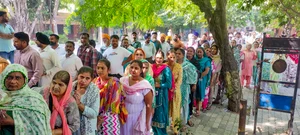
{"x": 193, "y": 41}
{"x": 50, "y": 59}
{"x": 106, "y": 42}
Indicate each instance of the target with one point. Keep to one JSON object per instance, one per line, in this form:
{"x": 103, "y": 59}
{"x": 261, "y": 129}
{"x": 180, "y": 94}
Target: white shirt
{"x": 149, "y": 49}
{"x": 116, "y": 57}
{"x": 71, "y": 64}
{"x": 61, "y": 52}
{"x": 51, "y": 65}
{"x": 165, "y": 47}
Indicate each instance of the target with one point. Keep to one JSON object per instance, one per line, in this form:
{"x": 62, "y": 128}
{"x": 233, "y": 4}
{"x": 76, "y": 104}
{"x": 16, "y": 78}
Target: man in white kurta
{"x": 50, "y": 59}
{"x": 71, "y": 62}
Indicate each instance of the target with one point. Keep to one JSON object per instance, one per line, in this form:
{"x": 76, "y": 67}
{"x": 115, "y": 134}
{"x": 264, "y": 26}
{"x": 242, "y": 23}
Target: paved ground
{"x": 219, "y": 121}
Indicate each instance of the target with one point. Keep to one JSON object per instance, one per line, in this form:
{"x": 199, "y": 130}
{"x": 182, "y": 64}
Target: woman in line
{"x": 147, "y": 72}
{"x": 190, "y": 56}
{"x": 139, "y": 96}
{"x": 65, "y": 115}
{"x": 236, "y": 52}
{"x": 189, "y": 77}
{"x": 257, "y": 51}
{"x": 208, "y": 52}
{"x": 174, "y": 104}
{"x": 247, "y": 66}
{"x": 216, "y": 70}
{"x": 163, "y": 83}
{"x": 204, "y": 79}
{"x": 86, "y": 95}
{"x": 138, "y": 54}
{"x": 112, "y": 106}
{"x": 22, "y": 110}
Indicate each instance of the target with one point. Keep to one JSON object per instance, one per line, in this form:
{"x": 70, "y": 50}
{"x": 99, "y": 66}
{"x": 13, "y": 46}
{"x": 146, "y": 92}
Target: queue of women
{"x": 148, "y": 98}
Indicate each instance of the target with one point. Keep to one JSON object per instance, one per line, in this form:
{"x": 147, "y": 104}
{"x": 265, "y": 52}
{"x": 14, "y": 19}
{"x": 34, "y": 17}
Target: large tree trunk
{"x": 216, "y": 19}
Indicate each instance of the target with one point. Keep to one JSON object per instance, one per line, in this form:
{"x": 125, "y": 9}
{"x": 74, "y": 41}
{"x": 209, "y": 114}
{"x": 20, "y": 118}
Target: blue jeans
{"x": 8, "y": 56}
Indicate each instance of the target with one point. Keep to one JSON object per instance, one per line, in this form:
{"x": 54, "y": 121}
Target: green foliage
{"x": 275, "y": 13}
{"x": 63, "y": 38}
{"x": 47, "y": 32}
{"x": 111, "y": 13}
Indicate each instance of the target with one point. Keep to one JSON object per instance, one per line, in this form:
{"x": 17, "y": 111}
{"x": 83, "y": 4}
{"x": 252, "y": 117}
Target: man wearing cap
{"x": 155, "y": 41}
{"x": 28, "y": 57}
{"x": 6, "y": 34}
{"x": 136, "y": 44}
{"x": 51, "y": 62}
{"x": 149, "y": 48}
{"x": 165, "y": 46}
{"x": 55, "y": 46}
{"x": 106, "y": 42}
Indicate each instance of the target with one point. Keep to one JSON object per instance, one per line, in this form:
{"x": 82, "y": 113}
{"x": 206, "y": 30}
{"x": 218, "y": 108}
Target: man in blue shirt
{"x": 6, "y": 35}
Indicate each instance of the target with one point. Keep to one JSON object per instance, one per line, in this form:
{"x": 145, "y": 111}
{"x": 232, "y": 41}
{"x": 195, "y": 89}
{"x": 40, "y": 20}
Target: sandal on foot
{"x": 190, "y": 123}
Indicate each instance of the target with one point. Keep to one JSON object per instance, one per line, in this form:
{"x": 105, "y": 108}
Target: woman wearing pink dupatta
{"x": 247, "y": 66}
{"x": 64, "y": 111}
{"x": 164, "y": 86}
{"x": 138, "y": 102}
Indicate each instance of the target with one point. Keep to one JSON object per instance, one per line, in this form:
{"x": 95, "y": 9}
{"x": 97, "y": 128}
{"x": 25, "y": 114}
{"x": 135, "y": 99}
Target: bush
{"x": 63, "y": 39}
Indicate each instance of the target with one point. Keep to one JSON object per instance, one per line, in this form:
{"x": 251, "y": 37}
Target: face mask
{"x": 52, "y": 43}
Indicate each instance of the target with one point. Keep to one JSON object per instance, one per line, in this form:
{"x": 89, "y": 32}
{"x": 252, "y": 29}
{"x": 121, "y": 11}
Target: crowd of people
{"x": 130, "y": 89}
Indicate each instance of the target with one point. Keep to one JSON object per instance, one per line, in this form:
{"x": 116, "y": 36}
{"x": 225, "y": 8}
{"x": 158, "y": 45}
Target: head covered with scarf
{"x": 59, "y": 105}
{"x": 29, "y": 109}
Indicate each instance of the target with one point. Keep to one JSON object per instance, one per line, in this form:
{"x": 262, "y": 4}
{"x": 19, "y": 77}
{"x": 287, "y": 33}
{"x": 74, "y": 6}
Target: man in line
{"x": 165, "y": 46}
{"x": 50, "y": 59}
{"x": 71, "y": 62}
{"x": 155, "y": 41}
{"x": 126, "y": 45}
{"x": 6, "y": 34}
{"x": 55, "y": 46}
{"x": 177, "y": 42}
{"x": 193, "y": 41}
{"x": 106, "y": 42}
{"x": 116, "y": 55}
{"x": 149, "y": 48}
{"x": 28, "y": 57}
{"x": 87, "y": 53}
{"x": 136, "y": 44}
{"x": 93, "y": 43}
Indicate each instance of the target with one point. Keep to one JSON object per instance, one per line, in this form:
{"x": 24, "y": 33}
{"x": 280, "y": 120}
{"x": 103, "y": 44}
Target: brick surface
{"x": 220, "y": 121}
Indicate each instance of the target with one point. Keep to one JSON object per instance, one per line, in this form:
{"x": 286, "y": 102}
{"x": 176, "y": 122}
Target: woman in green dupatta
{"x": 204, "y": 79}
{"x": 189, "y": 77}
{"x": 24, "y": 111}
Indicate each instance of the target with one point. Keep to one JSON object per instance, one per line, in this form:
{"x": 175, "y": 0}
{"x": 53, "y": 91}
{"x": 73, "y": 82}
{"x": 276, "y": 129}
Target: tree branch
{"x": 36, "y": 19}
{"x": 206, "y": 7}
{"x": 296, "y": 12}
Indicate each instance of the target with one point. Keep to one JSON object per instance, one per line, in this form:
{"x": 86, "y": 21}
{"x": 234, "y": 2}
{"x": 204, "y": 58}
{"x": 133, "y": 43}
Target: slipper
{"x": 190, "y": 123}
